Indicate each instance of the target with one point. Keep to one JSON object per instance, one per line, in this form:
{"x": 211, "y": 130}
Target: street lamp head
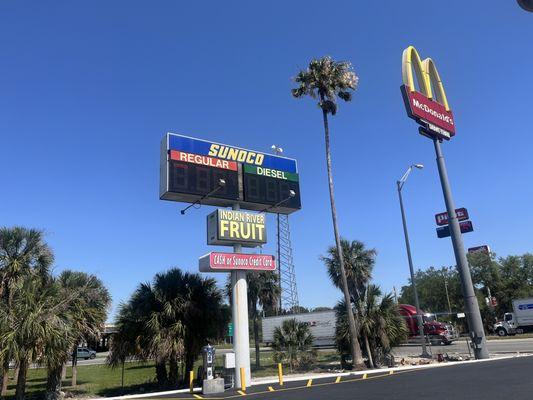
{"x": 277, "y": 149}
{"x": 419, "y": 166}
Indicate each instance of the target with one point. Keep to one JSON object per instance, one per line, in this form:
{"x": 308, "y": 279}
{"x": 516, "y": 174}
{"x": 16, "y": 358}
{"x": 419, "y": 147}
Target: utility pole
{"x": 475, "y": 324}
{"x": 446, "y": 288}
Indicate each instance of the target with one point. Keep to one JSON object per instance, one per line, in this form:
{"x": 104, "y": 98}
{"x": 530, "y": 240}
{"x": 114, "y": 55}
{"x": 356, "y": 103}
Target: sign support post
{"x": 239, "y": 300}
{"x": 477, "y": 334}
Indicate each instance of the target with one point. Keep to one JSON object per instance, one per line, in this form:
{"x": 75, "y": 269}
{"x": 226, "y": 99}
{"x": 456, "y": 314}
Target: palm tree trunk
{"x": 53, "y": 382}
{"x": 368, "y": 352}
{"x": 161, "y": 372}
{"x": 5, "y": 377}
{"x": 64, "y": 371}
{"x": 173, "y": 370}
{"x": 75, "y": 367}
{"x": 20, "y": 391}
{"x": 355, "y": 348}
{"x": 256, "y": 339}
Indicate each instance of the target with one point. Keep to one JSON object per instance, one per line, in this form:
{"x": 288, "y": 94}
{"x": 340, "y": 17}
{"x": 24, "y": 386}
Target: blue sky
{"x": 87, "y": 90}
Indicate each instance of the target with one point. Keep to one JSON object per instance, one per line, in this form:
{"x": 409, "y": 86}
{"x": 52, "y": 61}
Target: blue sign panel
{"x": 205, "y": 148}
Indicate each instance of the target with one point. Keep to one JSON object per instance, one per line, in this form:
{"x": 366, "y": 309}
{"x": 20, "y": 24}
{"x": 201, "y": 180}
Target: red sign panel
{"x": 479, "y": 249}
{"x": 442, "y": 218}
{"x": 202, "y": 160}
{"x": 444, "y": 231}
{"x": 223, "y": 262}
{"x": 425, "y": 111}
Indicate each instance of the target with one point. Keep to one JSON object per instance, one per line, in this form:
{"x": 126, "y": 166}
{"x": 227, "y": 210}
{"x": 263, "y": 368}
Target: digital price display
{"x": 195, "y": 170}
{"x": 270, "y": 187}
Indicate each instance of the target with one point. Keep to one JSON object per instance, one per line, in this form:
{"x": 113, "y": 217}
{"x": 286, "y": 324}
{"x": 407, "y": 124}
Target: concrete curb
{"x": 265, "y": 381}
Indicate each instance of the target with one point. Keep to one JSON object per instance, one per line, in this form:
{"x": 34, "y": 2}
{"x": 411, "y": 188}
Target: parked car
{"x": 518, "y": 321}
{"x": 437, "y": 332}
{"x": 85, "y": 353}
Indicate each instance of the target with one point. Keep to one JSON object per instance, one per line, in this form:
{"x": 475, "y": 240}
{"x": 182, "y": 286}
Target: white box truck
{"x": 321, "y": 324}
{"x": 518, "y": 321}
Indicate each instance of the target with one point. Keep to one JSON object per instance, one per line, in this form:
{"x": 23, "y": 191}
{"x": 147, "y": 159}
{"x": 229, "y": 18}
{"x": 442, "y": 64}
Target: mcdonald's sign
{"x": 428, "y": 106}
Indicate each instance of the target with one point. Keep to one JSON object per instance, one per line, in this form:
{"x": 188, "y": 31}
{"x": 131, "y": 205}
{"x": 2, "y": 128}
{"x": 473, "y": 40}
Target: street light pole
{"x": 475, "y": 324}
{"x": 420, "y": 322}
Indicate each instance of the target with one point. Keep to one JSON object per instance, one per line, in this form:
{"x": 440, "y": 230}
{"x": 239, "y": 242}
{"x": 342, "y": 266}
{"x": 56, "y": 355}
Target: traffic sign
{"x": 230, "y": 329}
{"x": 442, "y": 218}
{"x": 444, "y": 231}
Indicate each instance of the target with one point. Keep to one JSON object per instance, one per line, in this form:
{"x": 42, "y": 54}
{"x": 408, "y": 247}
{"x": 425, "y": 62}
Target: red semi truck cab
{"x": 435, "y": 330}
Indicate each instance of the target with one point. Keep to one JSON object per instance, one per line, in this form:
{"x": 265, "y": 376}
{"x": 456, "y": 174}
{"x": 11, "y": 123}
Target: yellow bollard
{"x": 364, "y": 376}
{"x": 280, "y": 374}
{"x": 191, "y": 381}
{"x": 243, "y": 380}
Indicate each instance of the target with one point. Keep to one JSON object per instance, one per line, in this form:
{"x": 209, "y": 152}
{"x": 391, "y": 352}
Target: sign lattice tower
{"x": 287, "y": 276}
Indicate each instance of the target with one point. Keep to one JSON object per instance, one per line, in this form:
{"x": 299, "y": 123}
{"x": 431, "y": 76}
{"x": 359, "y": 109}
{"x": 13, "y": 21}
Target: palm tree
{"x": 263, "y": 290}
{"x": 88, "y": 311}
{"x": 381, "y": 325}
{"x": 23, "y": 252}
{"x": 358, "y": 265}
{"x": 168, "y": 320}
{"x": 36, "y": 326}
{"x": 326, "y": 80}
{"x": 292, "y": 343}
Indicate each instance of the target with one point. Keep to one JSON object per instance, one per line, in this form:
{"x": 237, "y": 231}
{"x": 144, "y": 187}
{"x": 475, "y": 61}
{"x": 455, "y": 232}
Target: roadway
{"x": 503, "y": 346}
{"x": 492, "y": 380}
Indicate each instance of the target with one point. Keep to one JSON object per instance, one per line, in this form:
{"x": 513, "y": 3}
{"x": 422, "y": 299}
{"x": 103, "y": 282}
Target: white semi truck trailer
{"x": 518, "y": 321}
{"x": 321, "y": 324}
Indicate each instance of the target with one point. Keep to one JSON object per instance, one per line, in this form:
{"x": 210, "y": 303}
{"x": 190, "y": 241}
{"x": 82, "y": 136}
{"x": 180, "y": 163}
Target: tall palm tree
{"x": 88, "y": 311}
{"x": 23, "y": 252}
{"x": 326, "y": 80}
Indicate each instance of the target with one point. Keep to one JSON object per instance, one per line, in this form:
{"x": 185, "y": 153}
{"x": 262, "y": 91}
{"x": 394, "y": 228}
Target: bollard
{"x": 191, "y": 381}
{"x": 243, "y": 380}
{"x": 280, "y": 374}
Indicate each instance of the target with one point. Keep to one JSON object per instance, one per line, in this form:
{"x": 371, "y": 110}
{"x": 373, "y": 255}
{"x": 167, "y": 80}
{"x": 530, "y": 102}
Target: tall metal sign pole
{"x": 239, "y": 308}
{"x": 429, "y": 107}
{"x": 473, "y": 315}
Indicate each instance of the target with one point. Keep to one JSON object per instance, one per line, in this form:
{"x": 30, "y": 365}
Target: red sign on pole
{"x": 224, "y": 262}
{"x": 479, "y": 249}
{"x": 442, "y": 218}
{"x": 427, "y": 111}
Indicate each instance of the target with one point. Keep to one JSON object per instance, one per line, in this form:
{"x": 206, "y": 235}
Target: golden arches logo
{"x": 427, "y": 75}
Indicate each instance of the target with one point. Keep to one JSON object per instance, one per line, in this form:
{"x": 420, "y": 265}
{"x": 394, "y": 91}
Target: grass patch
{"x": 101, "y": 380}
